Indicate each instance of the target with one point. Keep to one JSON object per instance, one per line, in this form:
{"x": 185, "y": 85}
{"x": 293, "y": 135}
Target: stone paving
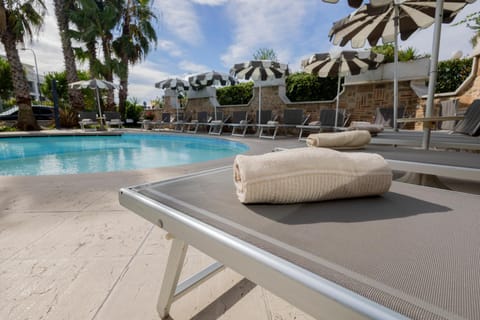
{"x": 68, "y": 250}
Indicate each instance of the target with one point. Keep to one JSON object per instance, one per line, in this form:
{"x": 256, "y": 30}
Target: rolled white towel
{"x": 347, "y": 139}
{"x": 309, "y": 174}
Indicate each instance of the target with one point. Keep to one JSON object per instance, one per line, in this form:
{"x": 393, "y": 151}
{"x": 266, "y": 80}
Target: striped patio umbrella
{"x": 259, "y": 70}
{"x": 358, "y": 3}
{"x": 373, "y": 22}
{"x": 176, "y": 84}
{"x": 340, "y": 64}
{"x": 211, "y": 78}
{"x": 95, "y": 84}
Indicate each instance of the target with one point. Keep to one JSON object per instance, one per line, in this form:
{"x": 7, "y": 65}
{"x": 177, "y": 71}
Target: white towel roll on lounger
{"x": 309, "y": 174}
{"x": 347, "y": 139}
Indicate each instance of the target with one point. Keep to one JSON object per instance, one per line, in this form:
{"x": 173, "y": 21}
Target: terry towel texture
{"x": 347, "y": 139}
{"x": 309, "y": 174}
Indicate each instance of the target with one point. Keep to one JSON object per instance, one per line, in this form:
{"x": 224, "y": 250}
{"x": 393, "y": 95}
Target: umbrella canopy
{"x": 95, "y": 84}
{"x": 260, "y": 70}
{"x": 358, "y": 3}
{"x": 211, "y": 78}
{"x": 341, "y": 64}
{"x": 173, "y": 83}
{"x": 373, "y": 22}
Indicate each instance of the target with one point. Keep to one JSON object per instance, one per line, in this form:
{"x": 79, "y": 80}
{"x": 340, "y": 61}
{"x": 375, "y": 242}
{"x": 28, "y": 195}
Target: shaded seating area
{"x": 87, "y": 120}
{"x": 113, "y": 119}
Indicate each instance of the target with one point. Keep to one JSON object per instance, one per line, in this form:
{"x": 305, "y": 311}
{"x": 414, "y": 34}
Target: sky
{"x": 202, "y": 35}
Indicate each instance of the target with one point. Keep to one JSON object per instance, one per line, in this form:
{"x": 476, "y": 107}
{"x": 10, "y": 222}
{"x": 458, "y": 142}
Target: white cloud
{"x": 170, "y": 48}
{"x": 180, "y": 18}
{"x": 210, "y": 2}
{"x": 190, "y": 67}
{"x": 264, "y": 24}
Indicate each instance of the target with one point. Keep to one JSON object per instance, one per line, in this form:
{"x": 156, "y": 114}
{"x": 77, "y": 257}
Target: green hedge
{"x": 452, "y": 73}
{"x": 302, "y": 86}
{"x": 238, "y": 94}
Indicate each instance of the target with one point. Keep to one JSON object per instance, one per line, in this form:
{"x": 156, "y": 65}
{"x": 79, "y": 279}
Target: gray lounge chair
{"x": 216, "y": 126}
{"x": 291, "y": 119}
{"x": 87, "y": 120}
{"x": 365, "y": 258}
{"x": 448, "y": 108}
{"x": 113, "y": 119}
{"x": 163, "y": 122}
{"x": 194, "y": 125}
{"x": 239, "y": 123}
{"x": 470, "y": 125}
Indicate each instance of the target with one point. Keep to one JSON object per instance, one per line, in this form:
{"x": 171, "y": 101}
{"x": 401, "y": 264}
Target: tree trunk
{"x": 26, "y": 120}
{"x": 108, "y": 72}
{"x": 123, "y": 91}
{"x": 75, "y": 96}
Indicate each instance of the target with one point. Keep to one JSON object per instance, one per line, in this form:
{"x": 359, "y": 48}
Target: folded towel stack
{"x": 347, "y": 139}
{"x": 309, "y": 174}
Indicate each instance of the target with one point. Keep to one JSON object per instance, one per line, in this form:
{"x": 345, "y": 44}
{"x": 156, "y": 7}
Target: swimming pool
{"x": 52, "y": 155}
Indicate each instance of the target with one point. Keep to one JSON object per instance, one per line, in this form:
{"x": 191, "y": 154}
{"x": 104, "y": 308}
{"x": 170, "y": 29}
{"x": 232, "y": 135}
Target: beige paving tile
{"x": 18, "y": 231}
{"x": 56, "y": 288}
{"x": 96, "y": 234}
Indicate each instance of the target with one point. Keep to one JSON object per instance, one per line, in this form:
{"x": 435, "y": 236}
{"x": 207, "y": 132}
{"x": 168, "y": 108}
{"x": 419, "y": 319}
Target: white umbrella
{"x": 340, "y": 64}
{"x": 95, "y": 84}
{"x": 259, "y": 70}
{"x": 176, "y": 84}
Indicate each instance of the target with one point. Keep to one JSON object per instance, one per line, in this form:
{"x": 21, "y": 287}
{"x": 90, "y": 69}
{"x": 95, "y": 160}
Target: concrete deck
{"x": 68, "y": 250}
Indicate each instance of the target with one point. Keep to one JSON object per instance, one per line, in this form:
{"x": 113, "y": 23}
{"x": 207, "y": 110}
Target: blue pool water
{"x": 32, "y": 156}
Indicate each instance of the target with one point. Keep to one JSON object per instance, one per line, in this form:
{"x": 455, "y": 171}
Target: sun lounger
{"x": 291, "y": 119}
{"x": 87, "y": 120}
{"x": 215, "y": 127}
{"x": 194, "y": 125}
{"x": 470, "y": 125}
{"x": 448, "y": 108}
{"x": 113, "y": 119}
{"x": 163, "y": 122}
{"x": 410, "y": 253}
{"x": 239, "y": 122}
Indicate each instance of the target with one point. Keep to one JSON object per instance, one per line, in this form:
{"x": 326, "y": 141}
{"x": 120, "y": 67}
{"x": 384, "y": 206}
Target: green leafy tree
{"x": 388, "y": 50}
{"x": 473, "y": 22}
{"x": 238, "y": 94}
{"x": 19, "y": 19}
{"x": 452, "y": 73}
{"x": 265, "y": 54}
{"x": 6, "y": 84}
{"x": 63, "y": 89}
{"x": 303, "y": 86}
{"x": 62, "y": 9}
{"x": 135, "y": 41}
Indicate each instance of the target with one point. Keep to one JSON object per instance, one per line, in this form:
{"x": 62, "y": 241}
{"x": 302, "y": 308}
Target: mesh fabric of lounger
{"x": 291, "y": 119}
{"x": 326, "y": 122}
{"x": 384, "y": 116}
{"x": 410, "y": 253}
{"x": 448, "y": 108}
{"x": 470, "y": 125}
{"x": 113, "y": 119}
{"x": 87, "y": 120}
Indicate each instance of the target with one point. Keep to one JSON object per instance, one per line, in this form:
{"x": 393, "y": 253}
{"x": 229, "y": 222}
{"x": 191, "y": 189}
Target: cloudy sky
{"x": 202, "y": 35}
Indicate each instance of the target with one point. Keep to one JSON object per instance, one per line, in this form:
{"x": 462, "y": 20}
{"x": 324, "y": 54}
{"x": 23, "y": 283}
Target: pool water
{"x": 33, "y": 156}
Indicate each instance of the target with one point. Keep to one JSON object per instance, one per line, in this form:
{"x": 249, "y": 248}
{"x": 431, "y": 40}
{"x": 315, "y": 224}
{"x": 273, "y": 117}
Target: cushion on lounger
{"x": 309, "y": 174}
{"x": 346, "y": 139}
{"x": 272, "y": 123}
{"x": 364, "y": 125}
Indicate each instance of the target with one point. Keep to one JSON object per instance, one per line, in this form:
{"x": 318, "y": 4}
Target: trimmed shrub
{"x": 452, "y": 73}
{"x": 302, "y": 86}
{"x": 237, "y": 94}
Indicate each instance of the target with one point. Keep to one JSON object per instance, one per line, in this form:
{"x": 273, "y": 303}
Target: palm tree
{"x": 18, "y": 20}
{"x": 137, "y": 35}
{"x": 62, "y": 7}
{"x": 95, "y": 20}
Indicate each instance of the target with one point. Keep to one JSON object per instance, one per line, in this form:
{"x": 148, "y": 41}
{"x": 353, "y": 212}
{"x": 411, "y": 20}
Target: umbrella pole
{"x": 99, "y": 108}
{"x": 259, "y": 103}
{"x": 432, "y": 80}
{"x": 395, "y": 70}
{"x": 338, "y": 102}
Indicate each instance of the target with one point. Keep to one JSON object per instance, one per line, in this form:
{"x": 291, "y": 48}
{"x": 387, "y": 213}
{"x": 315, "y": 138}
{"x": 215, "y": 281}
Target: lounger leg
{"x": 175, "y": 262}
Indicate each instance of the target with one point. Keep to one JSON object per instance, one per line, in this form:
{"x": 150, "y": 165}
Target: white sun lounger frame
{"x": 305, "y": 290}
